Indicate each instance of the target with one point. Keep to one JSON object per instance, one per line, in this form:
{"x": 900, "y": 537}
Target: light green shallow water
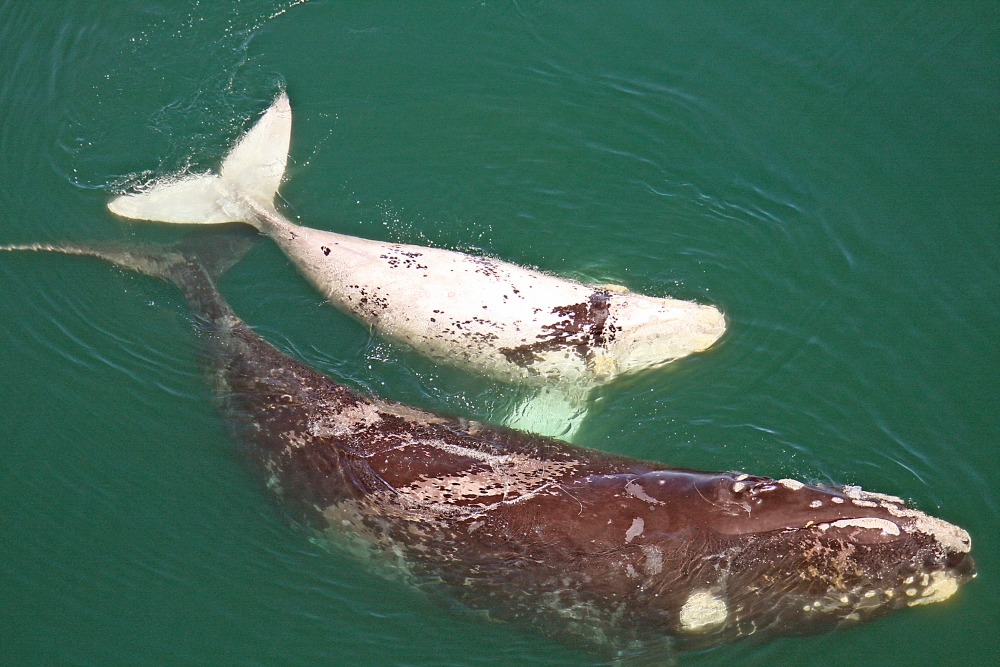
{"x": 825, "y": 173}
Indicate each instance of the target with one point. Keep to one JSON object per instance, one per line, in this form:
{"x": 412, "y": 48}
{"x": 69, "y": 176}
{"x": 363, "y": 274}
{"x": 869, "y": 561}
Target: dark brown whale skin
{"x": 631, "y": 557}
{"x": 620, "y": 552}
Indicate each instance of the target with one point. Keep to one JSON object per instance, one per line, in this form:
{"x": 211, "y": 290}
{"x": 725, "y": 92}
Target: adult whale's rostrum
{"x": 629, "y": 556}
{"x": 492, "y": 317}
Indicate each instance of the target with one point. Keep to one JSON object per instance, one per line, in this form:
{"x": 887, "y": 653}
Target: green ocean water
{"x": 826, "y": 173}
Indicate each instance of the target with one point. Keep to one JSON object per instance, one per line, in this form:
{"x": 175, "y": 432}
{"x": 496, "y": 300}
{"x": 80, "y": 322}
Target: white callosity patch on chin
{"x": 792, "y": 484}
{"x": 703, "y": 611}
{"x": 941, "y": 587}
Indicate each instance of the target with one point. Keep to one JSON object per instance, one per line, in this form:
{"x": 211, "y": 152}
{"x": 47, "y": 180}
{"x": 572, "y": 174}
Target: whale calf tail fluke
{"x": 245, "y": 185}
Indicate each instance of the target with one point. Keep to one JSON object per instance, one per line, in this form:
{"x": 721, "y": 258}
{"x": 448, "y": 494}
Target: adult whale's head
{"x": 733, "y": 555}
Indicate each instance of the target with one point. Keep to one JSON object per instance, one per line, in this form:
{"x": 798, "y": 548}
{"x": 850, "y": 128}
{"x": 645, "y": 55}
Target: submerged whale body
{"x": 630, "y": 557}
{"x": 489, "y": 316}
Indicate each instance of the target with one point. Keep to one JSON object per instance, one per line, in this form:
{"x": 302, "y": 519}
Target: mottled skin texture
{"x": 631, "y": 557}
{"x": 492, "y": 317}
{"x": 569, "y": 540}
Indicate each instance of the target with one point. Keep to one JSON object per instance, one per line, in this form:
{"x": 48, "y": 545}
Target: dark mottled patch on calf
{"x": 367, "y": 304}
{"x": 409, "y": 260}
{"x": 585, "y": 325}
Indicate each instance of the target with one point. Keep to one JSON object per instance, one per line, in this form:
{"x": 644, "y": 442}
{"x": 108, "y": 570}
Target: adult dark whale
{"x": 631, "y": 556}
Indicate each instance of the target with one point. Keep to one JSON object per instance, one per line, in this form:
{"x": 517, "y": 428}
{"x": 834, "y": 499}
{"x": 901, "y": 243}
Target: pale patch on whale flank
{"x": 633, "y": 488}
{"x": 791, "y": 484}
{"x": 347, "y": 533}
{"x": 344, "y": 422}
{"x": 635, "y": 530}
{"x": 654, "y": 559}
{"x": 492, "y": 460}
{"x": 703, "y": 611}
{"x": 416, "y": 414}
{"x": 490, "y": 480}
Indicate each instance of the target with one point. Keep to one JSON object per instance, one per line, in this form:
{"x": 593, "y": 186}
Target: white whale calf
{"x": 493, "y": 317}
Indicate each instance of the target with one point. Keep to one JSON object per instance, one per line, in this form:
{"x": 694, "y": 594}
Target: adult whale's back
{"x": 627, "y": 556}
{"x": 489, "y": 316}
